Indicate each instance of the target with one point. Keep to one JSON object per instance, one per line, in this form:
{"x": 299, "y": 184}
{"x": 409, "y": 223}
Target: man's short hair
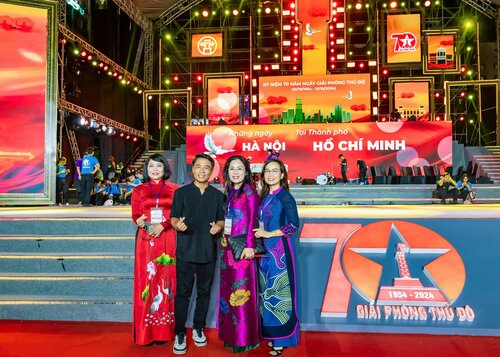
{"x": 340, "y": 156}
{"x": 206, "y": 157}
{"x": 90, "y": 151}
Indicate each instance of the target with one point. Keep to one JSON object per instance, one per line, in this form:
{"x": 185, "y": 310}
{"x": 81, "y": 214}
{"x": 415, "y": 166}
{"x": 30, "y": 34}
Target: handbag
{"x": 239, "y": 242}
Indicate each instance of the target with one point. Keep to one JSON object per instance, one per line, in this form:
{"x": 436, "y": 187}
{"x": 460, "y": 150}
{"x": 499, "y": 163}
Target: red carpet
{"x": 47, "y": 338}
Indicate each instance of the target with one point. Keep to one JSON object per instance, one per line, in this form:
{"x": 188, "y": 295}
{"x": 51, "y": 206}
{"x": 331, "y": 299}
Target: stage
{"x": 76, "y": 264}
{"x": 432, "y": 211}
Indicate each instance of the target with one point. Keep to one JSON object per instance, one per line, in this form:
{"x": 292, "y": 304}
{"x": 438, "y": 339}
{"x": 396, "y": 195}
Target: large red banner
{"x": 23, "y": 71}
{"x": 309, "y": 150}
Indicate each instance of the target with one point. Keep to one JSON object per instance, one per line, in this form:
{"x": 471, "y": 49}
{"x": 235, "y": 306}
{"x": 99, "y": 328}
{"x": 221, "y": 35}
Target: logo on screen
{"x": 207, "y": 45}
{"x": 401, "y": 270}
{"x": 405, "y": 42}
{"x": 410, "y": 260}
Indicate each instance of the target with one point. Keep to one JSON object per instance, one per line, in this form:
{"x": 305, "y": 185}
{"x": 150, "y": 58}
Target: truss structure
{"x": 73, "y": 143}
{"x": 148, "y": 58}
{"x": 138, "y": 54}
{"x": 175, "y": 11}
{"x": 131, "y": 9}
{"x": 483, "y": 6}
{"x": 62, "y": 12}
{"x": 99, "y": 56}
{"x": 73, "y": 108}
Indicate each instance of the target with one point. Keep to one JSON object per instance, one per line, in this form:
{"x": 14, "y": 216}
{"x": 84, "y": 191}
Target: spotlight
{"x": 393, "y": 4}
{"x": 235, "y": 12}
{"x": 122, "y": 135}
{"x": 111, "y": 131}
{"x": 298, "y": 179}
{"x": 204, "y": 13}
{"x": 134, "y": 139}
{"x": 267, "y": 10}
{"x": 199, "y": 101}
{"x": 427, "y": 3}
{"x": 104, "y": 127}
{"x": 82, "y": 121}
{"x": 127, "y": 137}
{"x": 358, "y": 6}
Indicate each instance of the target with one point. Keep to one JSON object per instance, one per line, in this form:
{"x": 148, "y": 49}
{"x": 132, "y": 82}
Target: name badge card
{"x": 228, "y": 225}
{"x": 156, "y": 215}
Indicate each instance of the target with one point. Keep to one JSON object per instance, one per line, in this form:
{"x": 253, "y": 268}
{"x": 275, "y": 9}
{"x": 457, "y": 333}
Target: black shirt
{"x": 196, "y": 244}
{"x": 343, "y": 166}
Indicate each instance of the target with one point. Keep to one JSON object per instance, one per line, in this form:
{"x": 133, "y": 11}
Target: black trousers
{"x": 444, "y": 194}
{"x": 61, "y": 190}
{"x": 185, "y": 273}
{"x": 78, "y": 186}
{"x": 87, "y": 183}
{"x": 344, "y": 176}
{"x": 362, "y": 175}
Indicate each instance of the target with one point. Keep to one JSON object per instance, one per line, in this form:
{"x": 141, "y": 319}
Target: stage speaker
{"x": 308, "y": 181}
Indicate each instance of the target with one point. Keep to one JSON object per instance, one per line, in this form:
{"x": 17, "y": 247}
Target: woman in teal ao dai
{"x": 278, "y": 219}
{"x": 238, "y": 294}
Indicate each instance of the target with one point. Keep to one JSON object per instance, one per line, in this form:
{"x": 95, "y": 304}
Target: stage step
{"x": 70, "y": 262}
{"x": 67, "y": 284}
{"x": 66, "y": 308}
{"x": 45, "y": 244}
{"x": 66, "y": 268}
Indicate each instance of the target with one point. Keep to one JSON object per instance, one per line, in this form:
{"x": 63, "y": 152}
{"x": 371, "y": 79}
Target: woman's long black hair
{"x": 283, "y": 181}
{"x": 228, "y": 185}
{"x": 158, "y": 158}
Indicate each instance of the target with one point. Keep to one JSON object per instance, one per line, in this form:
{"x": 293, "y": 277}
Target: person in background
{"x": 119, "y": 170}
{"x": 99, "y": 194}
{"x": 362, "y": 171}
{"x": 278, "y": 220}
{"x": 111, "y": 167}
{"x": 134, "y": 181}
{"x": 90, "y": 166}
{"x": 77, "y": 180}
{"x": 343, "y": 169}
{"x": 238, "y": 290}
{"x": 464, "y": 188}
{"x": 272, "y": 154}
{"x": 61, "y": 184}
{"x": 446, "y": 187}
{"x": 198, "y": 216}
{"x": 127, "y": 194}
{"x": 114, "y": 190}
{"x": 155, "y": 263}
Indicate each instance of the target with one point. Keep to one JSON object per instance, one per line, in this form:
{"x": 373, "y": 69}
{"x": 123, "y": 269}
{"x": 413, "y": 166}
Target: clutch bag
{"x": 239, "y": 242}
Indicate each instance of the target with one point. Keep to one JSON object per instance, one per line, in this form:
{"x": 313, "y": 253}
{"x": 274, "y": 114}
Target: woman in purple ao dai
{"x": 238, "y": 294}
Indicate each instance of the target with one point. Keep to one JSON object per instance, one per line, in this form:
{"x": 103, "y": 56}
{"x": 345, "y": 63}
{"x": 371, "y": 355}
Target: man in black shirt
{"x": 362, "y": 171}
{"x": 446, "y": 187}
{"x": 198, "y": 216}
{"x": 343, "y": 169}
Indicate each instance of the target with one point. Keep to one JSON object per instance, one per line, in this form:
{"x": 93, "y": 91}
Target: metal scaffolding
{"x": 99, "y": 56}
{"x": 147, "y": 26}
{"x": 148, "y": 58}
{"x": 135, "y": 14}
{"x": 73, "y": 143}
{"x": 175, "y": 11}
{"x": 73, "y": 108}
